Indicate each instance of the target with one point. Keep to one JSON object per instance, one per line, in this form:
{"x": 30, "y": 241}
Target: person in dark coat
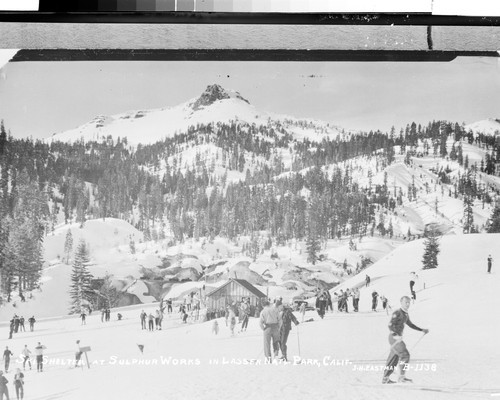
{"x": 321, "y": 304}
{"x": 490, "y": 261}
{"x": 399, "y": 354}
{"x": 6, "y": 357}
{"x": 286, "y": 319}
{"x": 374, "y": 301}
{"x": 4, "y": 390}
{"x": 19, "y": 384}
{"x": 143, "y": 319}
{"x": 32, "y": 323}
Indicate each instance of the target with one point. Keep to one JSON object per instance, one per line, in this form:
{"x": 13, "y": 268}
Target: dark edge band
{"x": 244, "y": 18}
{"x": 243, "y": 55}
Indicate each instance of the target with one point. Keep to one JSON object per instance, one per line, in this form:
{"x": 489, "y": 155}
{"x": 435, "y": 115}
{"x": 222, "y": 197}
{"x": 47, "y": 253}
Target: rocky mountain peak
{"x": 215, "y": 93}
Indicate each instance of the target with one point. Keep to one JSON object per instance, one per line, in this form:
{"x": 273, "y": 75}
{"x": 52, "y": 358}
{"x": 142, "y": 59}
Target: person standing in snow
{"x": 269, "y": 323}
{"x": 103, "y": 313}
{"x": 6, "y": 357}
{"x": 490, "y": 261}
{"x": 285, "y": 326}
{"x": 143, "y": 320}
{"x": 26, "y": 353}
{"x": 399, "y": 353}
{"x": 355, "y": 299}
{"x": 39, "y": 356}
{"x": 32, "y": 323}
{"x": 78, "y": 353}
{"x": 303, "y": 310}
{"x": 83, "y": 316}
{"x": 374, "y": 301}
{"x": 321, "y": 305}
{"x": 151, "y": 323}
{"x": 413, "y": 280}
{"x": 19, "y": 384}
{"x": 21, "y": 324}
{"x": 367, "y": 281}
{"x": 231, "y": 317}
{"x": 245, "y": 310}
{"x": 4, "y": 390}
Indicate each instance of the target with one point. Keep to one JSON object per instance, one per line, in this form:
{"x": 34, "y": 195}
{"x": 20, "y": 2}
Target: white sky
{"x": 41, "y": 98}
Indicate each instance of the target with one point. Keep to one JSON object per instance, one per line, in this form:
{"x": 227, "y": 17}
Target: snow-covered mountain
{"x": 488, "y": 126}
{"x": 215, "y": 104}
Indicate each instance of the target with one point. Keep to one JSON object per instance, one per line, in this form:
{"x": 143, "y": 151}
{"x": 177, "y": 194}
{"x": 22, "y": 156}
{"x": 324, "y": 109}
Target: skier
{"x": 490, "y": 261}
{"x": 384, "y": 301}
{"x": 169, "y": 306}
{"x": 269, "y": 318}
{"x": 108, "y": 314}
{"x": 19, "y": 384}
{"x": 374, "y": 301}
{"x": 26, "y": 356}
{"x": 21, "y": 324}
{"x": 231, "y": 316}
{"x": 345, "y": 300}
{"x": 11, "y": 328}
{"x": 143, "y": 320}
{"x": 329, "y": 303}
{"x": 4, "y": 390}
{"x": 6, "y": 357}
{"x": 321, "y": 305}
{"x": 39, "y": 356}
{"x": 151, "y": 319}
{"x": 245, "y": 311}
{"x": 83, "y": 316}
{"x": 399, "y": 353}
{"x": 413, "y": 279}
{"x": 32, "y": 323}
{"x": 286, "y": 319}
{"x": 303, "y": 310}
{"x": 16, "y": 323}
{"x": 78, "y": 353}
{"x": 103, "y": 313}
{"x": 367, "y": 281}
{"x": 355, "y": 299}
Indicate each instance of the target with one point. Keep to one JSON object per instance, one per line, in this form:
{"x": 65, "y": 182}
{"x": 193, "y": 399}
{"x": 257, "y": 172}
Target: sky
{"x": 38, "y": 99}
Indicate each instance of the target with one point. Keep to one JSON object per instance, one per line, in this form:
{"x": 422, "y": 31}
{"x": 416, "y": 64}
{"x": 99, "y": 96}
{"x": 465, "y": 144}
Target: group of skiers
{"x": 150, "y": 321}
{"x": 105, "y": 315}
{"x": 17, "y": 325}
{"x": 19, "y": 376}
{"x": 18, "y": 385}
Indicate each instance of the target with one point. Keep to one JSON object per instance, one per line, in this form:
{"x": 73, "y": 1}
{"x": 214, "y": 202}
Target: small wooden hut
{"x": 235, "y": 290}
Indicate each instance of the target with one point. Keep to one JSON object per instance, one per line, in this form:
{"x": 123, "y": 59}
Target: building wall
{"x": 233, "y": 292}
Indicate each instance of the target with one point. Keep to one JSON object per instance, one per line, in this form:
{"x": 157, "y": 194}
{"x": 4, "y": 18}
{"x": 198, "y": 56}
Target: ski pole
{"x": 418, "y": 341}
{"x": 298, "y": 339}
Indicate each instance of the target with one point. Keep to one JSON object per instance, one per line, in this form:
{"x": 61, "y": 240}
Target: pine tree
{"x": 431, "y": 250}
{"x": 494, "y": 220}
{"x": 68, "y": 245}
{"x": 313, "y": 247}
{"x": 81, "y": 292}
{"x": 468, "y": 218}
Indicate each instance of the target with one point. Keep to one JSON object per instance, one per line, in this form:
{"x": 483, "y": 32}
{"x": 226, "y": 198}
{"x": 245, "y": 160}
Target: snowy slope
{"x": 188, "y": 361}
{"x": 488, "y": 126}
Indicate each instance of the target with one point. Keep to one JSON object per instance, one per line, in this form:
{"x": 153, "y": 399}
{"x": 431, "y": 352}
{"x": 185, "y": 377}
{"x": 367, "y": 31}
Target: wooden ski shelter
{"x": 235, "y": 290}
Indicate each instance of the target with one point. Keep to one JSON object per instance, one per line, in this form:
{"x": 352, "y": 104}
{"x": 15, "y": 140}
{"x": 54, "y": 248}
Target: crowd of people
{"x": 17, "y": 324}
{"x": 18, "y": 379}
